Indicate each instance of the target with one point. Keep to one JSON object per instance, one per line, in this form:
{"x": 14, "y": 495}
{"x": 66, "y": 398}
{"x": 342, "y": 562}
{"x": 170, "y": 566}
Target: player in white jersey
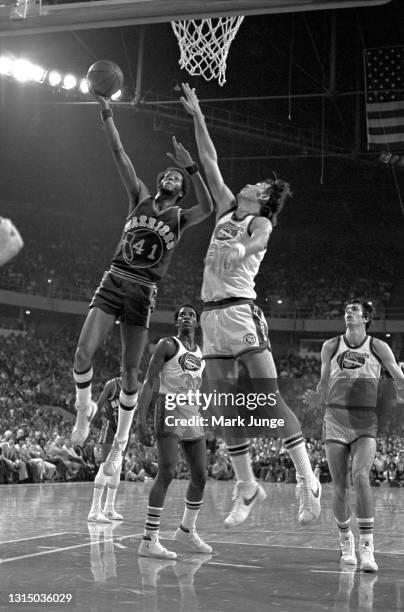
{"x": 177, "y": 365}
{"x": 234, "y": 327}
{"x": 350, "y": 373}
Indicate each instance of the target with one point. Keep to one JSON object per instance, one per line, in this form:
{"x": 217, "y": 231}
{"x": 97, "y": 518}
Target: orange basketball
{"x": 105, "y": 78}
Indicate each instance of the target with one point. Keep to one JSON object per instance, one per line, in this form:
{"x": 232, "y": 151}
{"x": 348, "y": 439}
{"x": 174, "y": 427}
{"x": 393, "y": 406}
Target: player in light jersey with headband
{"x": 350, "y": 374}
{"x": 234, "y": 327}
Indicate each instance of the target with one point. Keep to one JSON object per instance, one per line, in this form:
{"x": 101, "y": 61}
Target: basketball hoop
{"x": 205, "y": 44}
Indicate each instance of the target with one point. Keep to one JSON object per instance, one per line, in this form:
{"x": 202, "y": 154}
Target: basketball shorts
{"x": 345, "y": 425}
{"x": 231, "y": 329}
{"x": 130, "y": 302}
{"x": 165, "y": 423}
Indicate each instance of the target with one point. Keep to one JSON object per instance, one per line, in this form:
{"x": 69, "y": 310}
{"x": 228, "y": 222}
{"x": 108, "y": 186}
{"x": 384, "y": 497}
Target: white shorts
{"x": 234, "y": 328}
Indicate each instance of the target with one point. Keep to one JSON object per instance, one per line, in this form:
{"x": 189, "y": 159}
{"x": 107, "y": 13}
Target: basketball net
{"x": 205, "y": 44}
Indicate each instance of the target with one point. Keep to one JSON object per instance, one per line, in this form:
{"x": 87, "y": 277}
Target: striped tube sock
{"x": 240, "y": 459}
{"x": 297, "y": 451}
{"x": 191, "y": 512}
{"x": 366, "y": 530}
{"x": 344, "y": 527}
{"x": 83, "y": 382}
{"x": 152, "y": 524}
{"x": 127, "y": 405}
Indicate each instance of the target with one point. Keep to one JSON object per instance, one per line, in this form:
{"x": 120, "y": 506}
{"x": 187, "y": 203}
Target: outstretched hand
{"x": 181, "y": 156}
{"x": 190, "y": 101}
{"x": 102, "y": 100}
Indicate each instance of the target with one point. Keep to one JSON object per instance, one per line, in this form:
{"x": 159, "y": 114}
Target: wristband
{"x": 192, "y": 169}
{"x": 106, "y": 113}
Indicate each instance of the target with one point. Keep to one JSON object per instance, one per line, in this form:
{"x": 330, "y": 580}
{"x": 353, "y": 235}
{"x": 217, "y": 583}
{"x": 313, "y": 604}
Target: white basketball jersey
{"x": 354, "y": 375}
{"x": 218, "y": 283}
{"x": 183, "y": 372}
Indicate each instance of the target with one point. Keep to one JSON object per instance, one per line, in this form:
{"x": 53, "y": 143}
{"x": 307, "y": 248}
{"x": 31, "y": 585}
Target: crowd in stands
{"x": 66, "y": 260}
{"x": 36, "y": 415}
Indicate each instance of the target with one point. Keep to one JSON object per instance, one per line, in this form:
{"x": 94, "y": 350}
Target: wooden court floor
{"x": 268, "y": 563}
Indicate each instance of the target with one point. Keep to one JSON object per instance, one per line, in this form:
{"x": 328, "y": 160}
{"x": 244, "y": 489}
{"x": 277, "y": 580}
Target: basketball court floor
{"x": 268, "y": 563}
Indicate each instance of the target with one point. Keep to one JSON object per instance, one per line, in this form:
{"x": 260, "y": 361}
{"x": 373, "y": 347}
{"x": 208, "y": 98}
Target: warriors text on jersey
{"x": 147, "y": 243}
{"x": 183, "y": 372}
{"x": 110, "y": 415}
{"x": 218, "y": 283}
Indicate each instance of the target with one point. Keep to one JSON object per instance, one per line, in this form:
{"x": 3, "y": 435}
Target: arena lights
{"x": 54, "y": 78}
{"x": 84, "y": 86}
{"x": 69, "y": 81}
{"x": 24, "y": 71}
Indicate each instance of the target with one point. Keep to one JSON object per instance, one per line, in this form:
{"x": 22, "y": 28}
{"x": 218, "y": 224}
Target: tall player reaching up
{"x": 234, "y": 328}
{"x": 350, "y": 374}
{"x": 151, "y": 232}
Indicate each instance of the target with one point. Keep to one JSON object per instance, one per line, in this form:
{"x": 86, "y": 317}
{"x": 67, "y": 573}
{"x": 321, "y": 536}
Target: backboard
{"x": 19, "y": 17}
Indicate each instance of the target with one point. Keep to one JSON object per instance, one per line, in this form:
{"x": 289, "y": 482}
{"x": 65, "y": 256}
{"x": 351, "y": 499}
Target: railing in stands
{"x": 278, "y": 311}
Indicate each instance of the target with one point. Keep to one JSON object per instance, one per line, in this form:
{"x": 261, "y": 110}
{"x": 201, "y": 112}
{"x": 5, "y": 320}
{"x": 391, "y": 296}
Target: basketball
{"x": 105, "y": 78}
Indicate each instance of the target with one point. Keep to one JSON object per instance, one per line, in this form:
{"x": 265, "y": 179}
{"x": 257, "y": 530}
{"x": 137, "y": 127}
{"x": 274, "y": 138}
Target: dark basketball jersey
{"x": 110, "y": 415}
{"x": 147, "y": 242}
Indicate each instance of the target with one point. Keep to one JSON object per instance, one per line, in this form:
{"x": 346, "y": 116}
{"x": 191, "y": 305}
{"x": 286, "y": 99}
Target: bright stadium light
{"x": 69, "y": 82}
{"x": 38, "y": 73}
{"x": 22, "y": 70}
{"x": 5, "y": 64}
{"x": 116, "y": 95}
{"x": 54, "y": 78}
{"x": 84, "y": 86}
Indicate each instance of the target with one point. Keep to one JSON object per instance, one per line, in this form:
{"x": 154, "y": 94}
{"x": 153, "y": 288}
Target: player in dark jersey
{"x": 350, "y": 373}
{"x": 151, "y": 232}
{"x": 177, "y": 366}
{"x": 108, "y": 407}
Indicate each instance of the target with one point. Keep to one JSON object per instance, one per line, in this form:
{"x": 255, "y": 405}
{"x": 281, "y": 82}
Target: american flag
{"x": 384, "y": 78}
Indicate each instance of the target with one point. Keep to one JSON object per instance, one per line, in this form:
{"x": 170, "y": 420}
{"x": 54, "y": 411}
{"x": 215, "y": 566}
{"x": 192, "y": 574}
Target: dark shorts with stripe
{"x": 128, "y": 301}
{"x": 232, "y": 327}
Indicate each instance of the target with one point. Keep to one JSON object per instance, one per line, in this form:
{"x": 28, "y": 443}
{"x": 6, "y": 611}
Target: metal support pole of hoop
{"x": 204, "y": 45}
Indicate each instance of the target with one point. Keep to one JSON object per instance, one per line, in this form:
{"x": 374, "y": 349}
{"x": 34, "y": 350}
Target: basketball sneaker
{"x": 191, "y": 539}
{"x": 81, "y": 429}
{"x": 113, "y": 462}
{"x": 347, "y": 548}
{"x": 245, "y": 499}
{"x": 151, "y": 547}
{"x": 309, "y": 495}
{"x": 113, "y": 515}
{"x": 367, "y": 560}
{"x": 98, "y": 516}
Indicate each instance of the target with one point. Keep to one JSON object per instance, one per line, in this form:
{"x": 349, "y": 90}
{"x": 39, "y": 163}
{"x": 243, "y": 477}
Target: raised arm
{"x": 165, "y": 349}
{"x": 203, "y": 209}
{"x": 122, "y": 160}
{"x": 222, "y": 195}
